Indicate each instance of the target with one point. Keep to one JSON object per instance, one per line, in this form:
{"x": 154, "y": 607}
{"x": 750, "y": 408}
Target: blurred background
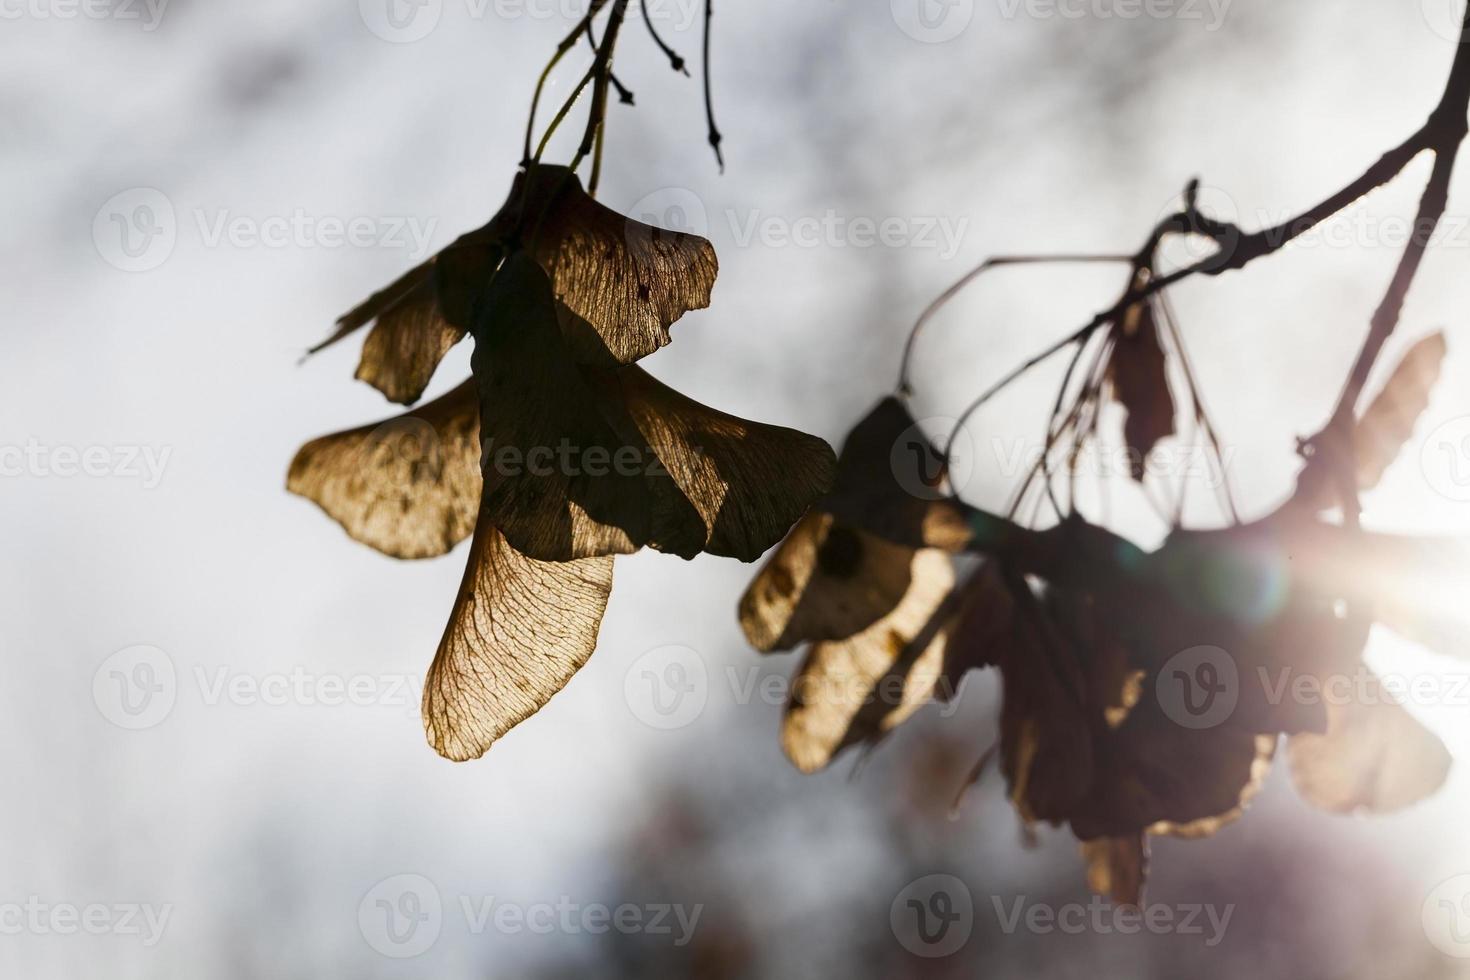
{"x": 213, "y": 761}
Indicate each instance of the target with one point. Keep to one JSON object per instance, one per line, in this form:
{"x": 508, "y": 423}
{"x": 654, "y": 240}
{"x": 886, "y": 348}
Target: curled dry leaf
{"x": 1139, "y": 374}
{"x": 888, "y": 478}
{"x": 583, "y": 461}
{"x": 827, "y": 581}
{"x": 417, "y": 319}
{"x": 626, "y": 280}
{"x": 1389, "y": 420}
{"x": 519, "y": 630}
{"x": 855, "y": 690}
{"x": 619, "y": 283}
{"x": 1373, "y": 757}
{"x": 1152, "y": 773}
{"x": 406, "y": 486}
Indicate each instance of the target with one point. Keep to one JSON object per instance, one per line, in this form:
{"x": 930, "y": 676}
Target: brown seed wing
{"x": 408, "y": 486}
{"x": 856, "y": 690}
{"x": 749, "y": 482}
{"x": 626, "y": 279}
{"x": 408, "y": 339}
{"x": 890, "y": 480}
{"x": 1374, "y": 756}
{"x": 561, "y": 483}
{"x": 519, "y": 630}
{"x": 827, "y": 581}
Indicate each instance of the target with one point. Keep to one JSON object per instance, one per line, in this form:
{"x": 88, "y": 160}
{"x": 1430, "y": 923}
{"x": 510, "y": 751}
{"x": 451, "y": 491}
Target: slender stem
{"x": 709, "y": 102}
{"x": 1015, "y": 373}
{"x": 675, "y": 61}
{"x": 561, "y": 114}
{"x": 601, "y": 71}
{"x": 904, "y": 388}
{"x": 566, "y": 44}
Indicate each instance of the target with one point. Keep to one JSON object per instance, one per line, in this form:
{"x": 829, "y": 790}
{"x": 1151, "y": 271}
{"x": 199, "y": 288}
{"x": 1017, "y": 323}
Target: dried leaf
{"x": 749, "y": 482}
{"x": 1139, "y": 374}
{"x": 406, "y": 486}
{"x": 1209, "y": 826}
{"x": 581, "y": 461}
{"x": 1117, "y": 867}
{"x": 1389, "y": 420}
{"x": 519, "y": 630}
{"x": 1046, "y": 725}
{"x": 827, "y": 581}
{"x": 1153, "y": 774}
{"x": 983, "y": 628}
{"x": 626, "y": 280}
{"x": 1374, "y": 756}
{"x": 854, "y": 691}
{"x": 889, "y": 480}
{"x": 410, "y": 335}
